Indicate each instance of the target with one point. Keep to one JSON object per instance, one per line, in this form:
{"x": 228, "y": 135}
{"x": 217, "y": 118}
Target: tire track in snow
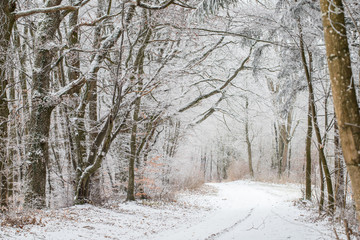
{"x": 228, "y": 229}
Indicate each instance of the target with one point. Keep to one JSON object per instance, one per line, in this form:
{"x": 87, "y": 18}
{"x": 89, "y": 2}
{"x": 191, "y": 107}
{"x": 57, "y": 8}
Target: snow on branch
{"x": 70, "y": 88}
{"x": 210, "y": 111}
{"x": 44, "y": 10}
{"x": 220, "y": 89}
{"x": 228, "y": 33}
{"x": 92, "y": 23}
{"x": 207, "y": 7}
{"x": 205, "y": 55}
{"x": 147, "y": 6}
{"x": 77, "y": 84}
{"x": 108, "y": 43}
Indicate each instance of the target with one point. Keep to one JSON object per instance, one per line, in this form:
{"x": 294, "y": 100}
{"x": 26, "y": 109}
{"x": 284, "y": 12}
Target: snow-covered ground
{"x": 234, "y": 210}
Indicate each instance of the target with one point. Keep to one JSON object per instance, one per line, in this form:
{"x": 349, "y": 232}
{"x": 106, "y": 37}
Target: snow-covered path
{"x": 249, "y": 210}
{"x": 239, "y": 210}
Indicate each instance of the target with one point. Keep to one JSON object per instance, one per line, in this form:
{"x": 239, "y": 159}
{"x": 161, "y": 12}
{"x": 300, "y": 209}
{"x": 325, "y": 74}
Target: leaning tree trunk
{"x": 343, "y": 90}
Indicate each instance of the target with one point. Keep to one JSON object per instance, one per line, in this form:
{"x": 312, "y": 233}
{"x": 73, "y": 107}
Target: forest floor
{"x": 233, "y": 210}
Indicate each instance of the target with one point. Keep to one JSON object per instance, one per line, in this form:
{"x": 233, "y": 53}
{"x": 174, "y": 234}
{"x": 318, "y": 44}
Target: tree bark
{"x": 248, "y": 141}
{"x": 82, "y": 185}
{"x": 343, "y": 90}
{"x": 339, "y": 170}
{"x": 133, "y": 147}
{"x": 137, "y": 76}
{"x": 95, "y": 190}
{"x": 308, "y": 153}
{"x": 42, "y": 106}
{"x": 322, "y": 187}
{"x": 6, "y": 26}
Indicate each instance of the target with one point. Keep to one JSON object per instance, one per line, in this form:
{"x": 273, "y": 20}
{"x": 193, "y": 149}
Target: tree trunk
{"x": 320, "y": 146}
{"x": 82, "y": 185}
{"x": 274, "y": 160}
{"x": 73, "y": 60}
{"x": 137, "y": 76}
{"x": 322, "y": 187}
{"x": 133, "y": 147}
{"x": 281, "y": 137}
{"x": 343, "y": 90}
{"x": 286, "y": 142}
{"x": 339, "y": 170}
{"x": 6, "y": 10}
{"x": 95, "y": 180}
{"x": 308, "y": 153}
{"x": 211, "y": 167}
{"x": 248, "y": 141}
{"x": 203, "y": 164}
{"x": 42, "y": 106}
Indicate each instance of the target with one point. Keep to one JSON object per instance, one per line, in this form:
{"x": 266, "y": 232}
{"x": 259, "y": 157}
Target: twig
{"x": 348, "y": 231}
{"x": 336, "y": 235}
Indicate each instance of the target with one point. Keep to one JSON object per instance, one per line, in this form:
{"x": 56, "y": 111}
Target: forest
{"x": 124, "y": 100}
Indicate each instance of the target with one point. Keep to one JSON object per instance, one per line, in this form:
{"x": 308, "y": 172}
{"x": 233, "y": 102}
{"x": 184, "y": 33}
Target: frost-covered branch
{"x": 218, "y": 90}
{"x": 228, "y": 33}
{"x": 210, "y": 111}
{"x": 213, "y": 6}
{"x": 70, "y": 88}
{"x": 205, "y": 55}
{"x": 147, "y": 6}
{"x": 44, "y": 10}
{"x": 106, "y": 45}
{"x": 184, "y": 5}
{"x": 102, "y": 141}
{"x": 92, "y": 23}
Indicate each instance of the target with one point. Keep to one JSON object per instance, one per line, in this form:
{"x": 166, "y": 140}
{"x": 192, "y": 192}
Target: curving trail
{"x": 241, "y": 210}
{"x": 252, "y": 210}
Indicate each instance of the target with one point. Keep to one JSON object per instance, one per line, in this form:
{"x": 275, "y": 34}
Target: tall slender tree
{"x": 7, "y": 22}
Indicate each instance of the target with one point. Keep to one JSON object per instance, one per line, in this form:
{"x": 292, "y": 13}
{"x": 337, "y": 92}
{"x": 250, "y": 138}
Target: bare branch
{"x": 218, "y": 90}
{"x": 210, "y": 111}
{"x": 70, "y": 88}
{"x": 144, "y": 5}
{"x": 184, "y": 5}
{"x": 92, "y": 23}
{"x": 228, "y": 33}
{"x": 196, "y": 61}
{"x": 33, "y": 11}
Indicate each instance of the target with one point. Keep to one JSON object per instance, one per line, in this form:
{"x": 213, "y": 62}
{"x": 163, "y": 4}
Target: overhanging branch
{"x": 221, "y": 88}
{"x": 33, "y": 11}
{"x": 147, "y": 6}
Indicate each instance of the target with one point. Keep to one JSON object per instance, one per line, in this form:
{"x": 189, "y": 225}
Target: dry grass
{"x": 20, "y": 220}
{"x": 238, "y": 170}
